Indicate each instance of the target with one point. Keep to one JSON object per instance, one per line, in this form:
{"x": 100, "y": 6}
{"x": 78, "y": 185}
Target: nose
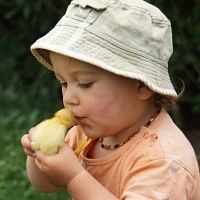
{"x": 70, "y": 97}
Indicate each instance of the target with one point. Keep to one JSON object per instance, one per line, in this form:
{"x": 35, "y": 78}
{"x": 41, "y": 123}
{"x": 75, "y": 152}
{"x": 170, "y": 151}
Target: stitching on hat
{"x": 79, "y": 32}
{"x": 120, "y": 45}
{"x": 76, "y": 35}
{"x": 56, "y": 33}
{"x": 159, "y": 21}
{"x": 134, "y": 51}
{"x": 146, "y": 11}
{"x": 154, "y": 19}
{"x": 131, "y": 53}
{"x": 90, "y": 16}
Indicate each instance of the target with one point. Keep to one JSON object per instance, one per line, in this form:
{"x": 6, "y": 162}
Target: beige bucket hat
{"x": 131, "y": 38}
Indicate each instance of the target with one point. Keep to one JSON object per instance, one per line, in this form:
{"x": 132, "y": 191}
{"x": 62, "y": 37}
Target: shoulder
{"x": 174, "y": 143}
{"x": 161, "y": 178}
{"x": 162, "y": 157}
{"x": 164, "y": 141}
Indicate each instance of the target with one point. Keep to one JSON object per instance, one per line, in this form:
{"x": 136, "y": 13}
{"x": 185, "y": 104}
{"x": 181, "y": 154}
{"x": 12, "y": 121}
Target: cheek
{"x": 105, "y": 109}
{"x": 98, "y": 105}
{"x": 115, "y": 114}
{"x": 108, "y": 102}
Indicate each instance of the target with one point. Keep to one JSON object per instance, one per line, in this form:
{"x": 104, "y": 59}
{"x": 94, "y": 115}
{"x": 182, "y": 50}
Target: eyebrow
{"x": 76, "y": 73}
{"x": 82, "y": 72}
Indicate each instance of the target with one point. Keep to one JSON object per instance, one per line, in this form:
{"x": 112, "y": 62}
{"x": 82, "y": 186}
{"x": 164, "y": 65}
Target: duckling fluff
{"x": 50, "y": 134}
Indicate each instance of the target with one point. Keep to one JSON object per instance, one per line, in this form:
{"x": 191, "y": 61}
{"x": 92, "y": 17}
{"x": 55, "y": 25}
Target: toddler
{"x": 111, "y": 58}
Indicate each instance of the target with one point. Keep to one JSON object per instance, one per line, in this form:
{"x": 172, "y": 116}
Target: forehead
{"x": 63, "y": 63}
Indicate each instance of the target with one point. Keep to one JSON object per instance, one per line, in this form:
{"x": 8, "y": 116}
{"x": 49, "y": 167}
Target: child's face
{"x": 104, "y": 104}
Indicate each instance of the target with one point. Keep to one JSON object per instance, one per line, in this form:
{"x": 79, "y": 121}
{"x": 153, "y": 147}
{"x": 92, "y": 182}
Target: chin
{"x": 92, "y": 134}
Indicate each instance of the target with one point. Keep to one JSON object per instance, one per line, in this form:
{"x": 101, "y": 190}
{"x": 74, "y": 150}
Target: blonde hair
{"x": 169, "y": 101}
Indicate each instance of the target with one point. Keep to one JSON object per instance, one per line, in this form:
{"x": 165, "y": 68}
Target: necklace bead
{"x": 115, "y": 146}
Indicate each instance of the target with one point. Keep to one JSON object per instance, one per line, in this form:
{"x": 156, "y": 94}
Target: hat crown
{"x": 131, "y": 24}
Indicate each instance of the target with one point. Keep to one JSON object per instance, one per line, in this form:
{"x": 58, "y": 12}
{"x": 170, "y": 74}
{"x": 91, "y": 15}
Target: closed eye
{"x": 85, "y": 85}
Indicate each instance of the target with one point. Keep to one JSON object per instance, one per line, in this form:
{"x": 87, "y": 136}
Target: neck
{"x": 135, "y": 127}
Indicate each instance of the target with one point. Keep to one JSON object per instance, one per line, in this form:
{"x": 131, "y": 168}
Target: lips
{"x": 79, "y": 119}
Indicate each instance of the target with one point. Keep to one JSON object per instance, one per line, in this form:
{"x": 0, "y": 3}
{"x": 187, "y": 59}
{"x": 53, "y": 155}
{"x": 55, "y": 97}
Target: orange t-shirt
{"x": 158, "y": 163}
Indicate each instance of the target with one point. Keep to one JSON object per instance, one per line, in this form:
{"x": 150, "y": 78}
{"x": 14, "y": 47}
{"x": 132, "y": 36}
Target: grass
{"x": 14, "y": 183}
{"x": 18, "y": 113}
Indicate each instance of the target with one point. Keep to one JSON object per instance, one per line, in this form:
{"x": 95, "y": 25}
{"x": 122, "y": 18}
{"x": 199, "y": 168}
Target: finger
{"x": 27, "y": 145}
{"x": 24, "y": 139}
{"x": 37, "y": 163}
{"x": 42, "y": 161}
{"x": 31, "y": 132}
{"x": 41, "y": 157}
{"x": 28, "y": 152}
{"x": 38, "y": 155}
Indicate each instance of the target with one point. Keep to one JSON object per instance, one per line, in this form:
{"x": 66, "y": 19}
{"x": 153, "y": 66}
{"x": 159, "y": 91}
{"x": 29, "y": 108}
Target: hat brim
{"x": 83, "y": 45}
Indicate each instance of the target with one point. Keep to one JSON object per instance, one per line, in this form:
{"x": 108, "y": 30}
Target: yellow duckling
{"x": 50, "y": 134}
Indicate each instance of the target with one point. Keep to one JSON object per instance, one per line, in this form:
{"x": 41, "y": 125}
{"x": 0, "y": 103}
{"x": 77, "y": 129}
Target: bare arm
{"x": 85, "y": 187}
{"x": 65, "y": 170}
{"x": 62, "y": 171}
{"x": 37, "y": 179}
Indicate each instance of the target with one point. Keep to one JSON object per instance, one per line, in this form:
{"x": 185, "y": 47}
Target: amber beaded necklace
{"x": 115, "y": 146}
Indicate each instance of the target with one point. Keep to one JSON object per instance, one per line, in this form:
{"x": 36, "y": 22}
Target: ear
{"x": 144, "y": 92}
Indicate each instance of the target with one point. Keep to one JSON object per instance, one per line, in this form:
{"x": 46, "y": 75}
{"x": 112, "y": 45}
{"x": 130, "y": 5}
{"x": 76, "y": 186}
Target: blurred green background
{"x": 29, "y": 93}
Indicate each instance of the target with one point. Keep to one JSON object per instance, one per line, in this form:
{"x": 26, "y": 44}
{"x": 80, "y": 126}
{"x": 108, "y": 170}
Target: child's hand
{"x": 61, "y": 168}
{"x": 26, "y": 143}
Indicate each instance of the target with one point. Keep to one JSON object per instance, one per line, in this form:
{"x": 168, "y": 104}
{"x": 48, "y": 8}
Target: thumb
{"x": 65, "y": 149}
{"x": 40, "y": 156}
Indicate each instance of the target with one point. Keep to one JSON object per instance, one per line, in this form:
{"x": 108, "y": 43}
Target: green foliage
{"x": 22, "y": 22}
{"x": 29, "y": 93}
{"x": 14, "y": 183}
{"x": 184, "y": 64}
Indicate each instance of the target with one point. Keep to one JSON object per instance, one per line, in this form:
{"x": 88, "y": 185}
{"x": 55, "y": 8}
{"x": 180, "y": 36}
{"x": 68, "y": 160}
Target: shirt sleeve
{"x": 162, "y": 179}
